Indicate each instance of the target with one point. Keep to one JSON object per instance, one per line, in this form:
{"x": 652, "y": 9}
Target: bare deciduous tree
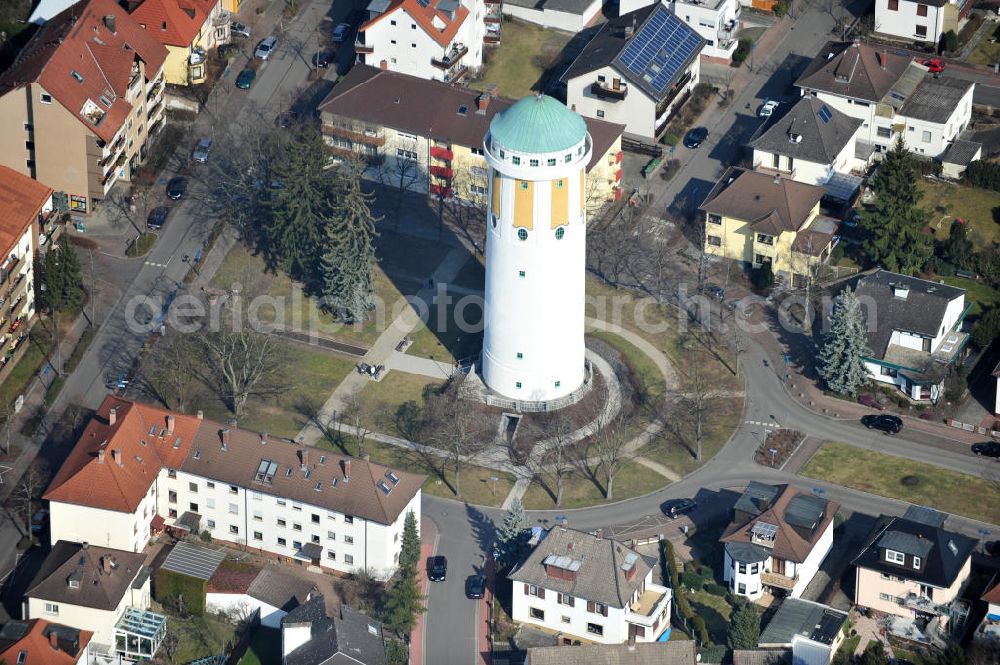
{"x": 458, "y": 430}
{"x": 558, "y": 462}
{"x": 695, "y": 401}
{"x": 169, "y": 371}
{"x": 240, "y": 364}
{"x": 354, "y": 415}
{"x": 129, "y": 207}
{"x": 610, "y": 446}
{"x": 400, "y": 170}
{"x": 28, "y": 490}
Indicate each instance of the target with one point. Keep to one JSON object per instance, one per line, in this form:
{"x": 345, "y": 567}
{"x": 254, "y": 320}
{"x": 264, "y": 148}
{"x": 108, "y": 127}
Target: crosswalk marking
{"x": 771, "y": 423}
{"x": 156, "y": 265}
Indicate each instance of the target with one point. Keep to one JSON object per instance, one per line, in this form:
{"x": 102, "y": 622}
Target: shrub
{"x": 987, "y": 329}
{"x": 762, "y": 278}
{"x": 949, "y": 41}
{"x": 700, "y": 629}
{"x": 205, "y": 536}
{"x": 671, "y": 139}
{"x": 742, "y": 52}
{"x": 692, "y": 580}
{"x": 871, "y": 402}
{"x": 706, "y": 572}
{"x": 984, "y": 174}
{"x": 781, "y": 7}
{"x": 717, "y": 589}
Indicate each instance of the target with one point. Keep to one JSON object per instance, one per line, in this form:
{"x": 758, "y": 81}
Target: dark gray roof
{"x": 747, "y": 552}
{"x": 905, "y": 542}
{"x": 942, "y": 563}
{"x": 805, "y": 510}
{"x": 921, "y": 312}
{"x": 823, "y": 131}
{"x": 757, "y": 497}
{"x": 762, "y": 657}
{"x": 601, "y": 577}
{"x": 279, "y": 589}
{"x": 962, "y": 152}
{"x": 925, "y": 515}
{"x": 935, "y": 99}
{"x": 194, "y": 561}
{"x": 84, "y": 565}
{"x": 814, "y": 621}
{"x": 854, "y": 69}
{"x": 648, "y": 653}
{"x": 350, "y": 638}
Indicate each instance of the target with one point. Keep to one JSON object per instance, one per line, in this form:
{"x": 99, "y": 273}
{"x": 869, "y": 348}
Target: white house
{"x": 98, "y": 589}
{"x": 268, "y": 591}
{"x": 777, "y": 540}
{"x": 567, "y": 15}
{"x": 39, "y": 641}
{"x": 989, "y": 628}
{"x": 925, "y": 21}
{"x": 914, "y": 331}
{"x": 591, "y": 589}
{"x": 309, "y": 636}
{"x": 810, "y": 143}
{"x": 637, "y": 71}
{"x": 811, "y": 631}
{"x": 717, "y": 21}
{"x": 136, "y": 463}
{"x": 430, "y": 39}
{"x": 892, "y": 95}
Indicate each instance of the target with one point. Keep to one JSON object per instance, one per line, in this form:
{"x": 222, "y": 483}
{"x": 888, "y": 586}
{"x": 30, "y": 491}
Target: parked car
{"x": 245, "y": 79}
{"x": 321, "y": 60}
{"x": 992, "y": 548}
{"x": 677, "y": 507}
{"x": 767, "y": 108}
{"x": 201, "y": 150}
{"x": 933, "y": 65}
{"x": 987, "y": 449}
{"x": 475, "y": 586}
{"x": 266, "y": 47}
{"x": 39, "y": 519}
{"x": 240, "y": 30}
{"x": 157, "y": 217}
{"x": 884, "y": 422}
{"x": 715, "y": 291}
{"x": 437, "y": 568}
{"x": 340, "y": 32}
{"x": 695, "y": 137}
{"x": 176, "y": 187}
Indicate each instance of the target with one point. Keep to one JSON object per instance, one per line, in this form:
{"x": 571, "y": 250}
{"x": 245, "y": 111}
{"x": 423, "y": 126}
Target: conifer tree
{"x": 63, "y": 282}
{"x": 512, "y": 535}
{"x": 841, "y": 361}
{"x": 403, "y": 601}
{"x": 409, "y": 549}
{"x": 744, "y": 628}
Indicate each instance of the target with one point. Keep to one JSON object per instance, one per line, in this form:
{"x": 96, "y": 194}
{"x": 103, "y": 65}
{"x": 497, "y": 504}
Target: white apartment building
{"x": 892, "y": 95}
{"x": 441, "y": 40}
{"x": 925, "y": 21}
{"x": 637, "y": 71}
{"x": 776, "y": 541}
{"x": 918, "y": 332}
{"x": 137, "y": 466}
{"x": 717, "y": 21}
{"x": 591, "y": 589}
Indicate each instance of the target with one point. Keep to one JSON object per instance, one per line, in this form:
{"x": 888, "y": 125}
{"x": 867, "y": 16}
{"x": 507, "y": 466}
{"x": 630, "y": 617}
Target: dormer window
{"x": 76, "y": 75}
{"x": 916, "y": 563}
{"x": 892, "y": 556}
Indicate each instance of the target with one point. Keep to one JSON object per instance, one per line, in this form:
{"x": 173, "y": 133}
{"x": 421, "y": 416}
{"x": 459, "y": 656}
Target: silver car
{"x": 266, "y": 48}
{"x": 201, "y": 150}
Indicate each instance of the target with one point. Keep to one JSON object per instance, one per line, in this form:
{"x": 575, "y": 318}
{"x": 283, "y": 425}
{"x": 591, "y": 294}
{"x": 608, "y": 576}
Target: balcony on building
{"x": 778, "y": 581}
{"x": 10, "y": 272}
{"x": 442, "y": 172}
{"x": 454, "y": 54}
{"x": 676, "y": 90}
{"x": 442, "y": 191}
{"x": 443, "y": 153}
{"x": 650, "y": 607}
{"x": 456, "y": 73}
{"x": 492, "y": 35}
{"x": 366, "y": 136}
{"x": 360, "y": 46}
{"x": 615, "y": 91}
{"x": 494, "y": 12}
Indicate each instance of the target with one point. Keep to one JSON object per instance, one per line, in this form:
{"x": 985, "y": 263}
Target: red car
{"x": 934, "y": 65}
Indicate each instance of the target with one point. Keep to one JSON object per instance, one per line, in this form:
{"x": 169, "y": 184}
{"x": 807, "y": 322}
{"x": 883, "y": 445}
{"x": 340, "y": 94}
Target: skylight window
{"x": 197, "y": 454}
{"x": 384, "y": 487}
{"x": 393, "y": 478}
{"x": 76, "y": 75}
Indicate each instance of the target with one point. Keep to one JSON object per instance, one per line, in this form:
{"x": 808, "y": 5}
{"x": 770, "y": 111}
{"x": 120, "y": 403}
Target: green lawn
{"x": 986, "y": 52}
{"x": 142, "y": 244}
{"x": 715, "y": 611}
{"x": 881, "y": 474}
{"x": 525, "y": 51}
{"x": 265, "y": 648}
{"x": 450, "y": 333}
{"x": 946, "y": 201}
{"x": 199, "y": 637}
{"x": 579, "y": 491}
{"x": 380, "y": 399}
{"x": 981, "y": 295}
{"x": 669, "y": 448}
{"x": 649, "y": 373}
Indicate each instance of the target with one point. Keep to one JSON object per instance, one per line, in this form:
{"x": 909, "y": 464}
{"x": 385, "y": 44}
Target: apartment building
{"x": 776, "y": 541}
{"x": 759, "y": 218}
{"x": 717, "y": 21}
{"x": 136, "y": 464}
{"x": 25, "y": 205}
{"x": 440, "y": 40}
{"x": 428, "y": 136}
{"x": 188, "y": 29}
{"x": 81, "y": 101}
{"x": 638, "y": 70}
{"x": 918, "y": 335}
{"x": 44, "y": 642}
{"x": 589, "y": 589}
{"x": 923, "y": 21}
{"x": 892, "y": 95}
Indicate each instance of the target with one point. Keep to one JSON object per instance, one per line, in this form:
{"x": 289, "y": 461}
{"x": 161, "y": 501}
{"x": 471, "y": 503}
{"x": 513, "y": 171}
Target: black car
{"x": 475, "y": 586}
{"x": 157, "y": 217}
{"x": 676, "y": 508}
{"x": 176, "y": 187}
{"x": 437, "y": 568}
{"x": 992, "y": 548}
{"x": 987, "y": 449}
{"x": 321, "y": 60}
{"x": 886, "y": 423}
{"x": 695, "y": 137}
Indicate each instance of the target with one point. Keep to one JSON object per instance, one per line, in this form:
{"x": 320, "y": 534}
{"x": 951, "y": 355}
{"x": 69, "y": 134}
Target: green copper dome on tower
{"x": 538, "y": 124}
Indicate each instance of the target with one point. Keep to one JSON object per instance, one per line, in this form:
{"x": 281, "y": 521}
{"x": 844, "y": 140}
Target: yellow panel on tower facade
{"x": 560, "y": 202}
{"x": 497, "y": 191}
{"x": 583, "y": 190}
{"x": 524, "y": 203}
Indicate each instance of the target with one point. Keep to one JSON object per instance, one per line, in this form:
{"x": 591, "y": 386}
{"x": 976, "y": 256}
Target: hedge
{"x": 984, "y": 174}
{"x": 717, "y": 589}
{"x": 700, "y": 629}
{"x": 170, "y": 585}
{"x": 692, "y": 580}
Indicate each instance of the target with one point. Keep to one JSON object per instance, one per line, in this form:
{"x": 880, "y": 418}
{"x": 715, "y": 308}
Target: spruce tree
{"x": 841, "y": 361}
{"x": 403, "y": 601}
{"x": 512, "y": 536}
{"x": 62, "y": 277}
{"x": 409, "y": 549}
{"x": 894, "y": 224}
{"x": 874, "y": 654}
{"x": 346, "y": 266}
{"x": 744, "y": 628}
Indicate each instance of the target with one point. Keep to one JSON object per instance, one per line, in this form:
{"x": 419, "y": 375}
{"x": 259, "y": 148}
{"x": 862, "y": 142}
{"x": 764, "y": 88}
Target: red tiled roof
{"x": 88, "y": 480}
{"x": 424, "y": 17}
{"x": 80, "y": 40}
{"x": 38, "y": 647}
{"x": 173, "y": 22}
{"x": 993, "y": 595}
{"x": 21, "y": 198}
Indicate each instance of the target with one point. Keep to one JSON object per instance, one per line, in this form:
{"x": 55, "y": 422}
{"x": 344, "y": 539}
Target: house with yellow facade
{"x": 427, "y": 136}
{"x": 189, "y": 29}
{"x": 759, "y": 219}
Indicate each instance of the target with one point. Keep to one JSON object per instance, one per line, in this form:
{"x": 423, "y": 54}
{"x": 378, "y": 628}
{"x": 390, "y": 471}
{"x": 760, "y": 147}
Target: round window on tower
{"x": 494, "y": 220}
{"x": 522, "y": 234}
{"x": 560, "y": 232}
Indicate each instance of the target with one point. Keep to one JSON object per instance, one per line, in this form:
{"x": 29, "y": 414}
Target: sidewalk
{"x": 484, "y": 612}
{"x": 428, "y": 545}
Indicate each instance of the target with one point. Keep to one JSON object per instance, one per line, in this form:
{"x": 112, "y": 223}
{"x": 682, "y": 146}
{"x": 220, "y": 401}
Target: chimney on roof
{"x": 109, "y": 23}
{"x": 100, "y": 456}
{"x": 116, "y": 455}
{"x": 346, "y": 464}
{"x": 885, "y": 57}
{"x": 224, "y": 436}
{"x": 112, "y": 416}
{"x": 483, "y": 101}
{"x": 304, "y": 457}
{"x": 263, "y": 438}
{"x": 106, "y": 565}
{"x": 170, "y": 424}
{"x": 54, "y": 639}
{"x": 201, "y": 414}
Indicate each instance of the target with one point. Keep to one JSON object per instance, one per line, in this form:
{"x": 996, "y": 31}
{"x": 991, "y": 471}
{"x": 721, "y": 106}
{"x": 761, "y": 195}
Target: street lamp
{"x": 493, "y": 486}
{"x": 772, "y": 451}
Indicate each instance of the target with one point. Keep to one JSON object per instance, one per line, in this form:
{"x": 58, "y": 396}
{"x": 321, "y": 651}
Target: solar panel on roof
{"x": 824, "y": 114}
{"x": 658, "y": 51}
{"x": 423, "y": 3}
